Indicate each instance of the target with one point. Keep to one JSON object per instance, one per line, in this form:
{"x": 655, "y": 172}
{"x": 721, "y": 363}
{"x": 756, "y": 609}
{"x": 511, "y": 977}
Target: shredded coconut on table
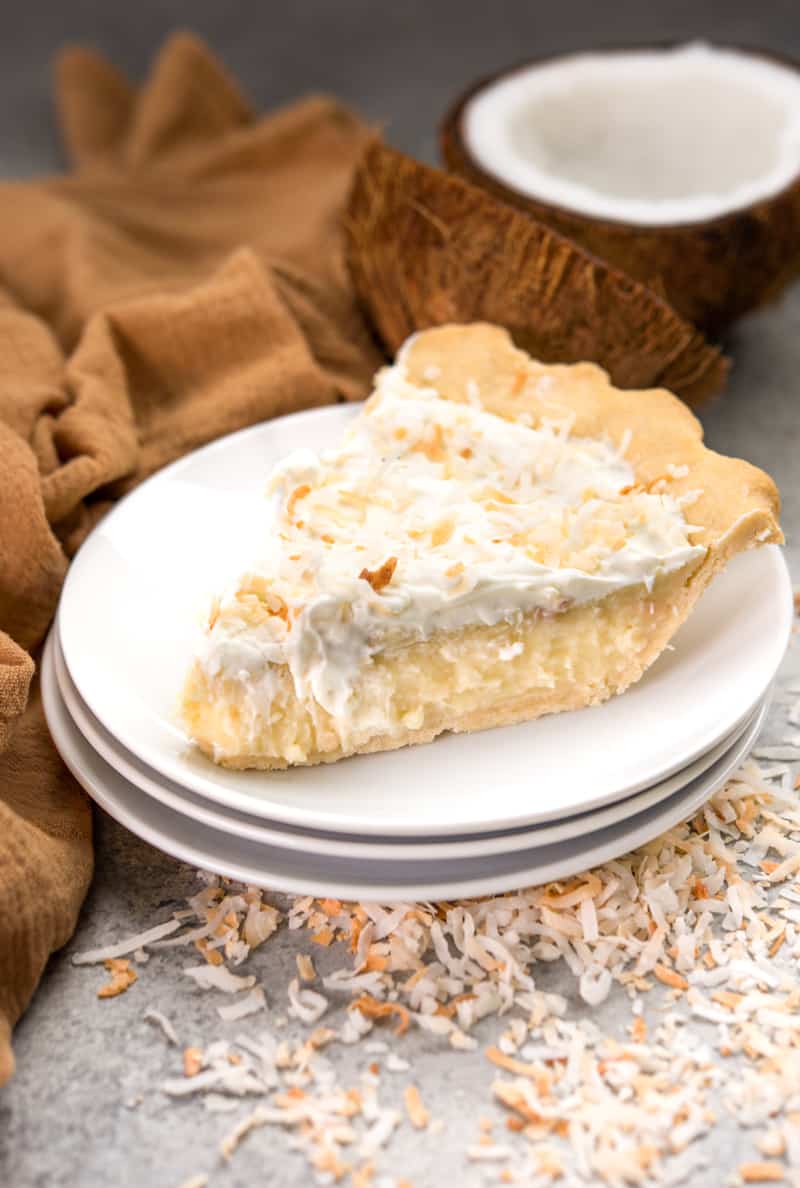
{"x": 131, "y": 945}
{"x": 707, "y": 916}
{"x": 251, "y": 1002}
{"x": 160, "y": 1020}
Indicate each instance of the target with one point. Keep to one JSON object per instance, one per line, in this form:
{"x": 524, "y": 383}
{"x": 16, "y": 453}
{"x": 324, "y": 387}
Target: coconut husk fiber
{"x": 426, "y": 247}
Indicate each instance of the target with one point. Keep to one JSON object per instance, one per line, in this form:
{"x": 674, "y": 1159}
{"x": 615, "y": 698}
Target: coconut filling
{"x": 432, "y": 521}
{"x": 650, "y": 137}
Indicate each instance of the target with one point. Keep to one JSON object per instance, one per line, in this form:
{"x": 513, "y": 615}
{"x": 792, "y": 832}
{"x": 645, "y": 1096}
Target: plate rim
{"x": 202, "y": 781}
{"x": 682, "y": 807}
{"x": 173, "y": 797}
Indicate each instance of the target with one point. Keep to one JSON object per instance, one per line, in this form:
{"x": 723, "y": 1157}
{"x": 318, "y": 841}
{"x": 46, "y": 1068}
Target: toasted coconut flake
{"x": 258, "y": 1117}
{"x": 362, "y": 1177}
{"x": 305, "y": 967}
{"x": 762, "y": 1173}
{"x": 192, "y": 1061}
{"x": 122, "y": 977}
{"x": 518, "y": 1067}
{"x": 417, "y": 1113}
{"x": 320, "y": 1037}
{"x": 669, "y": 977}
{"x": 378, "y": 578}
{"x": 372, "y": 1009}
{"x": 212, "y": 956}
{"x": 260, "y": 923}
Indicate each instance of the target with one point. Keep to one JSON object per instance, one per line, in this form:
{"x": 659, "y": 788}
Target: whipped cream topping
{"x": 432, "y": 516}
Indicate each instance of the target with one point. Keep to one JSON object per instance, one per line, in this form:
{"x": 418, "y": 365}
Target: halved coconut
{"x": 426, "y": 248}
{"x": 679, "y": 165}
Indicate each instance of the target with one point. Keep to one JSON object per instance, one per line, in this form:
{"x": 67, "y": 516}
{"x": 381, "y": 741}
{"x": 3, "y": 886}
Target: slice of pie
{"x": 492, "y": 539}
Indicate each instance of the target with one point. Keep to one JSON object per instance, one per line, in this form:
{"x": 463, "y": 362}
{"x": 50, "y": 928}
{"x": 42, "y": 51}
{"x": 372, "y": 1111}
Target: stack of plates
{"x": 466, "y": 815}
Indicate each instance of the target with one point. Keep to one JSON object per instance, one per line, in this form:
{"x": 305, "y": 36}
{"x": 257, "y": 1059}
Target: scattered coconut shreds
{"x": 305, "y": 967}
{"x": 254, "y": 1000}
{"x": 417, "y": 1114}
{"x": 122, "y": 976}
{"x": 192, "y": 1061}
{"x": 762, "y": 1173}
{"x": 306, "y": 1005}
{"x": 706, "y": 917}
{"x": 372, "y": 1009}
{"x": 161, "y": 1021}
{"x": 219, "y": 978}
{"x": 121, "y": 948}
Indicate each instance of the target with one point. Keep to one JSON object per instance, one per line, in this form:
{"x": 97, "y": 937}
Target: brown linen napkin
{"x": 185, "y": 280}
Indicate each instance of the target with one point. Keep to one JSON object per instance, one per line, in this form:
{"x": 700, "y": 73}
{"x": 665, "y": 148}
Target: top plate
{"x": 139, "y": 588}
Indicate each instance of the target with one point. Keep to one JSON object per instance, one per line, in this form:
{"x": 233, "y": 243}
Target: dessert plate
{"x": 138, "y": 589}
{"x": 317, "y": 842}
{"x": 304, "y": 873}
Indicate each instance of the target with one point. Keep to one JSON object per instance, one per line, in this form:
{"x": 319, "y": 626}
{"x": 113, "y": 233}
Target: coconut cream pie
{"x": 492, "y": 539}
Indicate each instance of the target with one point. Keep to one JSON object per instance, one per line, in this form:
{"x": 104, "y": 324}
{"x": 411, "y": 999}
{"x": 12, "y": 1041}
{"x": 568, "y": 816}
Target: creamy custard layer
{"x": 462, "y": 680}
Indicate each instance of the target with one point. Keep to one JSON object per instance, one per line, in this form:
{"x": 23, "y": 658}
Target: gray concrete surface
{"x": 69, "y": 1117}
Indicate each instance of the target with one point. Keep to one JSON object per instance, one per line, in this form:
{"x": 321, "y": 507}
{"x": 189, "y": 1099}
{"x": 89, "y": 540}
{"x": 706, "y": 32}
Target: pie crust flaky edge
{"x": 737, "y": 506}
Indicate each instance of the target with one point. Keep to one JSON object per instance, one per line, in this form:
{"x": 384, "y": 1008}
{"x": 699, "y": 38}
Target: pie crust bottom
{"x": 455, "y": 681}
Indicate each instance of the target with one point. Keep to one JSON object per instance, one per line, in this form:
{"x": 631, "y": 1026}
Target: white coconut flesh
{"x": 651, "y": 137}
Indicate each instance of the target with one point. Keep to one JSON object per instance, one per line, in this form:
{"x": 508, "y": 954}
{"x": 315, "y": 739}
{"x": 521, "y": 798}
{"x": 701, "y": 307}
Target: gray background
{"x": 399, "y": 61}
{"x": 63, "y": 1119}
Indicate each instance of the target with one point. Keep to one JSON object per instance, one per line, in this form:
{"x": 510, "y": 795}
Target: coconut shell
{"x": 711, "y": 272}
{"x": 426, "y": 248}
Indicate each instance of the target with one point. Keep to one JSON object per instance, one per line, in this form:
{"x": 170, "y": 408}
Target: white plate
{"x": 136, "y": 592}
{"x": 315, "y": 842}
{"x": 382, "y": 881}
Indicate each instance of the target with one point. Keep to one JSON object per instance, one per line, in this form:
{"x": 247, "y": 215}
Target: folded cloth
{"x": 186, "y": 279}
